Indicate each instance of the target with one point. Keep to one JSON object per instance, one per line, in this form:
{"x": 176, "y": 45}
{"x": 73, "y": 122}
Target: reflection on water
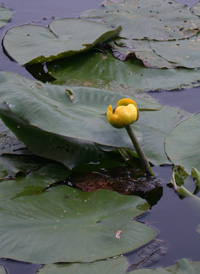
{"x": 187, "y": 99}
{"x": 176, "y": 222}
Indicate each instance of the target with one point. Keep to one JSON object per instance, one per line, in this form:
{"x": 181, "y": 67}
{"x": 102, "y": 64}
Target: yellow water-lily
{"x": 124, "y": 114}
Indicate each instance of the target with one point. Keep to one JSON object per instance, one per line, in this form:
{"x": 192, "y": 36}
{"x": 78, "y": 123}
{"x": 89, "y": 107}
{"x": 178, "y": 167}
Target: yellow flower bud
{"x": 124, "y": 114}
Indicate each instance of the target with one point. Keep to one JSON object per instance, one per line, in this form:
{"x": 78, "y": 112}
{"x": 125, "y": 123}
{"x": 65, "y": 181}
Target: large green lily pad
{"x": 60, "y": 225}
{"x": 54, "y": 126}
{"x": 5, "y": 15}
{"x": 112, "y": 266}
{"x": 144, "y": 19}
{"x": 60, "y": 134}
{"x": 64, "y": 37}
{"x": 182, "y": 145}
{"x": 105, "y": 71}
{"x": 119, "y": 266}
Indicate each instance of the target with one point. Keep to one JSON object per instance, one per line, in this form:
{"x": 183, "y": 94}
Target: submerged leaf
{"x": 105, "y": 71}
{"x": 69, "y": 220}
{"x": 64, "y": 37}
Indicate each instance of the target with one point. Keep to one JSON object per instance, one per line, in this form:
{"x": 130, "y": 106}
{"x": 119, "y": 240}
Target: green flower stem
{"x": 139, "y": 151}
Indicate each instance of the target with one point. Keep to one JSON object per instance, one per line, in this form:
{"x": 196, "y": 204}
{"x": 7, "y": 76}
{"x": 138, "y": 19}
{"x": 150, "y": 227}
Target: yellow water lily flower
{"x": 124, "y": 114}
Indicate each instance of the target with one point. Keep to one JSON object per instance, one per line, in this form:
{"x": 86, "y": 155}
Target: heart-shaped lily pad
{"x": 54, "y": 125}
{"x": 63, "y": 38}
{"x": 182, "y": 145}
{"x": 68, "y": 225}
{"x": 144, "y": 19}
{"x": 5, "y": 15}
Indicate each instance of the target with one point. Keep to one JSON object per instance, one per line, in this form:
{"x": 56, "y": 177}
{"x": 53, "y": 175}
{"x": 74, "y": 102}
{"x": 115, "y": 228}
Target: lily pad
{"x": 119, "y": 266}
{"x": 9, "y": 144}
{"x": 59, "y": 225}
{"x": 2, "y": 270}
{"x": 34, "y": 183}
{"x": 10, "y": 165}
{"x": 156, "y": 127}
{"x": 124, "y": 48}
{"x": 182, "y": 144}
{"x": 183, "y": 266}
{"x": 105, "y": 71}
{"x": 69, "y": 128}
{"x": 185, "y": 52}
{"x": 63, "y": 38}
{"x": 144, "y": 19}
{"x": 5, "y": 16}
{"x": 112, "y": 266}
{"x": 196, "y": 9}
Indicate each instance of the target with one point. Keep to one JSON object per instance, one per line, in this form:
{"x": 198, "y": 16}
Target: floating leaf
{"x": 5, "y": 15}
{"x": 156, "y": 127}
{"x": 124, "y": 48}
{"x": 10, "y": 165}
{"x": 112, "y": 266}
{"x": 107, "y": 72}
{"x": 68, "y": 129}
{"x": 34, "y": 183}
{"x": 196, "y": 176}
{"x": 9, "y": 144}
{"x": 2, "y": 270}
{"x": 142, "y": 19}
{"x": 196, "y": 9}
{"x": 184, "y": 52}
{"x": 59, "y": 225}
{"x": 119, "y": 266}
{"x": 64, "y": 37}
{"x": 183, "y": 266}
{"x": 182, "y": 144}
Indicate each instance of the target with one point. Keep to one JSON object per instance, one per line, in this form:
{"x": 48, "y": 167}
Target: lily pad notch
{"x": 30, "y": 44}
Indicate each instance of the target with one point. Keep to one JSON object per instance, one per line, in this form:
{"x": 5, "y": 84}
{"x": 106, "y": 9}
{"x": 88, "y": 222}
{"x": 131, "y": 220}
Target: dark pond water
{"x": 172, "y": 217}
